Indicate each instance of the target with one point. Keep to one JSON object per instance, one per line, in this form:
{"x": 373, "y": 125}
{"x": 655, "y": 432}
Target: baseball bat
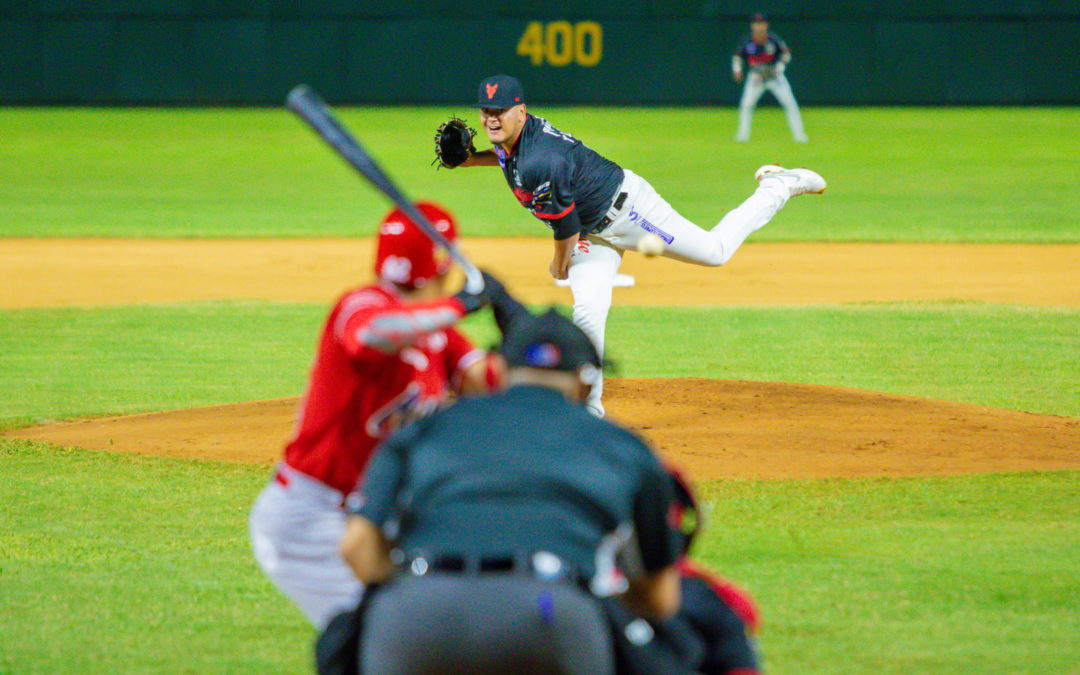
{"x": 303, "y": 101}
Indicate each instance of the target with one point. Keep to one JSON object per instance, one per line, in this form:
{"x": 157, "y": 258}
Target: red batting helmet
{"x": 405, "y": 255}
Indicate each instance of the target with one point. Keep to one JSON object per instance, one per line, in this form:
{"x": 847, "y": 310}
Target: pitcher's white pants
{"x": 753, "y": 89}
{"x": 296, "y": 527}
{"x": 595, "y": 262}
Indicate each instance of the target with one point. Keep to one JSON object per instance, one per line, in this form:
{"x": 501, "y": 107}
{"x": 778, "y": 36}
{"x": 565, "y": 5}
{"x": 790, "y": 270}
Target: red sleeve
{"x": 460, "y": 353}
{"x": 370, "y": 324}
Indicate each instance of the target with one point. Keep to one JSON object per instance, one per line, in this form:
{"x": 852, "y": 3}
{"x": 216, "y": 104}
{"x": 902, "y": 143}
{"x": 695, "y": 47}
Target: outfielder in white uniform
{"x": 597, "y": 210}
{"x": 766, "y": 57}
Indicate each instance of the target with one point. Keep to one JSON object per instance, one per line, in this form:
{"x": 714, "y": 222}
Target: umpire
{"x": 486, "y": 522}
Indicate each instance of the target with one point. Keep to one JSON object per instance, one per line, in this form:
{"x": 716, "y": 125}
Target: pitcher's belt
{"x": 612, "y": 213}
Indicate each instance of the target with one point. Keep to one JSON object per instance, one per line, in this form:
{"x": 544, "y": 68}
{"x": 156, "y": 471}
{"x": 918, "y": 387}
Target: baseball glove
{"x": 453, "y": 143}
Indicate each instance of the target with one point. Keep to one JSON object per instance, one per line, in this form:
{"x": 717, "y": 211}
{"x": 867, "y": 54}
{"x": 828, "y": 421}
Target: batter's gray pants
{"x": 495, "y": 623}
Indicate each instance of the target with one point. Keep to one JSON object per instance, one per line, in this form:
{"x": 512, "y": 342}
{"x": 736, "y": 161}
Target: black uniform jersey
{"x": 560, "y": 180}
{"x": 762, "y": 57}
{"x": 515, "y": 473}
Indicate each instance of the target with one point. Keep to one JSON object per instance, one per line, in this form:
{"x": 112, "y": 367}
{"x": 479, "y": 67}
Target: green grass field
{"x": 114, "y": 563}
{"x": 134, "y": 564}
{"x": 82, "y": 362}
{"x": 901, "y": 174}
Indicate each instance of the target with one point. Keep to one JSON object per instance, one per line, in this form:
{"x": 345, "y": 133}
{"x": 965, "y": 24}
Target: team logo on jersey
{"x": 409, "y": 405}
{"x": 542, "y": 194}
{"x": 533, "y": 200}
{"x": 582, "y": 247}
{"x": 523, "y": 196}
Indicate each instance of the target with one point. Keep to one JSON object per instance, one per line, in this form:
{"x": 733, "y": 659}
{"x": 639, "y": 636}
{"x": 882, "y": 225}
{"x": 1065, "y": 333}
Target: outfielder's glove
{"x": 453, "y": 143}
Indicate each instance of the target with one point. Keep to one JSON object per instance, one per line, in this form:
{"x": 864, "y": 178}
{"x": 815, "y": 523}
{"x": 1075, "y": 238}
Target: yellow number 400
{"x": 561, "y": 43}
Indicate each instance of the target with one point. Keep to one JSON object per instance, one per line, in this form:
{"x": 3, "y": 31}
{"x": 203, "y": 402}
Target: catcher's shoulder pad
{"x": 453, "y": 143}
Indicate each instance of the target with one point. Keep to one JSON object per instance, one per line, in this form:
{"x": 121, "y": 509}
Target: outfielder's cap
{"x": 500, "y": 91}
{"x": 758, "y": 18}
{"x": 550, "y": 341}
{"x": 405, "y": 255}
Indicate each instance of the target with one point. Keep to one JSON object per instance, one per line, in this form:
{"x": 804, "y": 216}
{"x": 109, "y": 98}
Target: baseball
{"x": 650, "y": 245}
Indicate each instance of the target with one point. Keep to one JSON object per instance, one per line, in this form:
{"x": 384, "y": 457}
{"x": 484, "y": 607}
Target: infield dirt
{"x": 712, "y": 428}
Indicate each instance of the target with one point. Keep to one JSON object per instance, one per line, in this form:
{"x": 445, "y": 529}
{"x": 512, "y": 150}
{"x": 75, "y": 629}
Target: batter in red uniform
{"x": 388, "y": 353}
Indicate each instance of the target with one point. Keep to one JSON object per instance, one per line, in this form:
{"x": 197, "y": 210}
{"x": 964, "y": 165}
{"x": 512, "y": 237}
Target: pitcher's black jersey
{"x": 558, "y": 179}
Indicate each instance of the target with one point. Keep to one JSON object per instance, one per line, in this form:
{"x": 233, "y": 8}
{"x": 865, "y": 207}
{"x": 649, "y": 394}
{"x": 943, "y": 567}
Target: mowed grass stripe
{"x": 134, "y": 564}
{"x": 931, "y": 575}
{"x": 895, "y": 174}
{"x": 1012, "y": 357}
{"x": 62, "y": 363}
{"x": 59, "y": 363}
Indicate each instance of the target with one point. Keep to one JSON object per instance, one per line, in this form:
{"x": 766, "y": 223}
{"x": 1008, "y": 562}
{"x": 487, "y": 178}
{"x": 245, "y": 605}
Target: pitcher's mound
{"x": 709, "y": 428}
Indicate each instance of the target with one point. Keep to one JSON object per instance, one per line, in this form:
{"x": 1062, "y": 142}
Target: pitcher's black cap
{"x": 500, "y": 91}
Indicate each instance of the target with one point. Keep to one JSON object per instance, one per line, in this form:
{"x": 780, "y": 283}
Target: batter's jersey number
{"x": 561, "y": 43}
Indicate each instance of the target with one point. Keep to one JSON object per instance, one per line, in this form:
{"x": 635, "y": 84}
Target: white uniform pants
{"x": 753, "y": 89}
{"x": 295, "y": 533}
{"x": 595, "y": 262}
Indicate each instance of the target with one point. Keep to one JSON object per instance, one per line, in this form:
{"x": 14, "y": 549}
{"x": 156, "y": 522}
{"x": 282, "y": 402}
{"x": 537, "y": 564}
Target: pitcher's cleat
{"x": 797, "y": 181}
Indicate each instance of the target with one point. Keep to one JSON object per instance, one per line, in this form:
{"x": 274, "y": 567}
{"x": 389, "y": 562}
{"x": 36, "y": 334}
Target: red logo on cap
{"x": 491, "y": 89}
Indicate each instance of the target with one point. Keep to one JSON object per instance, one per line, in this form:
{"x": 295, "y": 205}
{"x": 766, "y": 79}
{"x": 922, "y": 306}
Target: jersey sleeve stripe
{"x": 391, "y": 331}
{"x": 463, "y": 364}
{"x": 472, "y": 357}
{"x": 556, "y": 216}
{"x": 365, "y": 300}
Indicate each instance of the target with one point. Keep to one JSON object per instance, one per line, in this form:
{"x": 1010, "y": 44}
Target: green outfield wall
{"x": 223, "y": 52}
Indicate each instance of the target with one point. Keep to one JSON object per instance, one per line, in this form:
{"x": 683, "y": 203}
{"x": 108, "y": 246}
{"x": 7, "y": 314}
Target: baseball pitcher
{"x": 596, "y": 209}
